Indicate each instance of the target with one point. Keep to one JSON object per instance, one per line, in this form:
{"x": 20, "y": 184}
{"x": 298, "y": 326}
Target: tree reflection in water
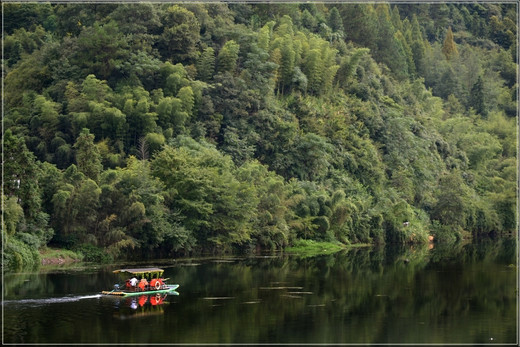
{"x": 460, "y": 293}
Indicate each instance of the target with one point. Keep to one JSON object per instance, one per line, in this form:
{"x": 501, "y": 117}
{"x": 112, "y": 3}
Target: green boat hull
{"x": 169, "y": 288}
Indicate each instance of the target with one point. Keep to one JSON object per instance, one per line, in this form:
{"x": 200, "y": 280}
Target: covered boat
{"x": 141, "y": 281}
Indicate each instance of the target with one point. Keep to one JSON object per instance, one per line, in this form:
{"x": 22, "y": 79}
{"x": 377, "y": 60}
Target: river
{"x": 456, "y": 294}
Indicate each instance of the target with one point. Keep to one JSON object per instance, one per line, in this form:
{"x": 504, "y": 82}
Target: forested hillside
{"x": 155, "y": 130}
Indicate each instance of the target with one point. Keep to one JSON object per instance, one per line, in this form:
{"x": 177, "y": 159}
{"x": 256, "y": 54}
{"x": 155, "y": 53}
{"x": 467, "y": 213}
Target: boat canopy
{"x": 144, "y": 272}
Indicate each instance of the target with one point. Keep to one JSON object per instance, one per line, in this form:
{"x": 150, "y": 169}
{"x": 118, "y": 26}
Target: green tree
{"x": 227, "y": 57}
{"x": 259, "y": 72}
{"x": 87, "y": 156}
{"x": 348, "y": 67}
{"x": 22, "y": 42}
{"x": 21, "y": 173}
{"x": 12, "y": 215}
{"x": 390, "y": 50}
{"x": 452, "y": 200}
{"x": 174, "y": 78}
{"x": 181, "y": 34}
{"x": 134, "y": 216}
{"x": 26, "y": 15}
{"x": 418, "y": 46}
{"x": 309, "y": 21}
{"x": 200, "y": 184}
{"x": 155, "y": 142}
{"x": 75, "y": 206}
{"x": 360, "y": 23}
{"x": 477, "y": 98}
{"x": 170, "y": 114}
{"x": 137, "y": 19}
{"x": 139, "y": 116}
{"x": 406, "y": 52}
{"x": 187, "y": 99}
{"x": 29, "y": 74}
{"x": 264, "y": 36}
{"x": 100, "y": 49}
{"x": 287, "y": 63}
{"x": 94, "y": 89}
{"x": 270, "y": 229}
{"x": 206, "y": 65}
{"x": 335, "y": 21}
{"x": 313, "y": 69}
{"x": 45, "y": 123}
{"x": 310, "y": 159}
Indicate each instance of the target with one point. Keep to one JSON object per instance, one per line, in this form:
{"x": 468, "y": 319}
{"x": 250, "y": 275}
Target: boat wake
{"x": 45, "y": 301}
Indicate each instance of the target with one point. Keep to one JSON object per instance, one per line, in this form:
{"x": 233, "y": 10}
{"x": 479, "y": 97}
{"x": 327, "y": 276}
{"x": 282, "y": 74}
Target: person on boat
{"x": 156, "y": 283}
{"x": 133, "y": 282}
{"x": 143, "y": 283}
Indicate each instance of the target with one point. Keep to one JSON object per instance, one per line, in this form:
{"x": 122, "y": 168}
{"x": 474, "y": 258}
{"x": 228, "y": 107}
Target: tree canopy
{"x": 143, "y": 130}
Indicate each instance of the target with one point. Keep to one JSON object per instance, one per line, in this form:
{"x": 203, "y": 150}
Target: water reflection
{"x": 465, "y": 293}
{"x": 462, "y": 294}
{"x": 140, "y": 305}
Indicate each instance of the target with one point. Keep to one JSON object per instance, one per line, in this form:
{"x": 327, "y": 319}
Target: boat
{"x": 141, "y": 282}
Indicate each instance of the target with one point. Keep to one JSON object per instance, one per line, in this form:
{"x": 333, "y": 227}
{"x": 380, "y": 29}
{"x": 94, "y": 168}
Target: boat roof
{"x": 139, "y": 270}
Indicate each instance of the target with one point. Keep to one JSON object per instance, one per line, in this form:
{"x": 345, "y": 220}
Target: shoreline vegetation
{"x": 55, "y": 256}
{"x": 310, "y": 248}
{"x": 301, "y": 248}
{"x": 59, "y": 258}
{"x": 138, "y": 131}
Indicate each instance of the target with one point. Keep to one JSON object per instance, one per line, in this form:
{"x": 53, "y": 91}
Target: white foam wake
{"x": 50, "y": 300}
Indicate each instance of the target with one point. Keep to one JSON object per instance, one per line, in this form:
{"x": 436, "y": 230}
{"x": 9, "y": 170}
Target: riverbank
{"x": 55, "y": 256}
{"x": 310, "y": 248}
{"x": 306, "y": 248}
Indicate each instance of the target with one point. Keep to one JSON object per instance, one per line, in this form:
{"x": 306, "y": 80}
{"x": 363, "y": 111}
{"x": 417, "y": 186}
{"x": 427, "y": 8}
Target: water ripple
{"x": 45, "y": 301}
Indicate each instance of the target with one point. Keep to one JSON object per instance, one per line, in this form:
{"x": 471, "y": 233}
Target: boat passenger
{"x": 143, "y": 283}
{"x": 133, "y": 282}
{"x": 156, "y": 284}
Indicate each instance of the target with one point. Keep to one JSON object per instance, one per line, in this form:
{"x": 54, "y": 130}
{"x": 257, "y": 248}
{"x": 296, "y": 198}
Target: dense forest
{"x": 135, "y": 131}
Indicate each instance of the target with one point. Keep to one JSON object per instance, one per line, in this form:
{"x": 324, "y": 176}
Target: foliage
{"x": 92, "y": 253}
{"x": 50, "y": 253}
{"x": 306, "y": 248}
{"x": 215, "y": 207}
{"x": 87, "y": 156}
{"x": 146, "y": 130}
{"x": 449, "y": 48}
{"x": 18, "y": 255}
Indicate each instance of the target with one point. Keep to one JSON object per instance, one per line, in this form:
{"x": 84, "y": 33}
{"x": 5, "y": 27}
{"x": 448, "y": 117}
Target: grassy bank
{"x": 309, "y": 248}
{"x": 53, "y": 256}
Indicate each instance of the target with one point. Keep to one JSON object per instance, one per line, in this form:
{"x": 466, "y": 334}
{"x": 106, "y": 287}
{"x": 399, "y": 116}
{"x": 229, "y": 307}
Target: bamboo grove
{"x": 154, "y": 130}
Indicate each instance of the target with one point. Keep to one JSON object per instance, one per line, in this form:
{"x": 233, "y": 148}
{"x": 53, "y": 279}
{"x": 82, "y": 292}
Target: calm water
{"x": 462, "y": 294}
